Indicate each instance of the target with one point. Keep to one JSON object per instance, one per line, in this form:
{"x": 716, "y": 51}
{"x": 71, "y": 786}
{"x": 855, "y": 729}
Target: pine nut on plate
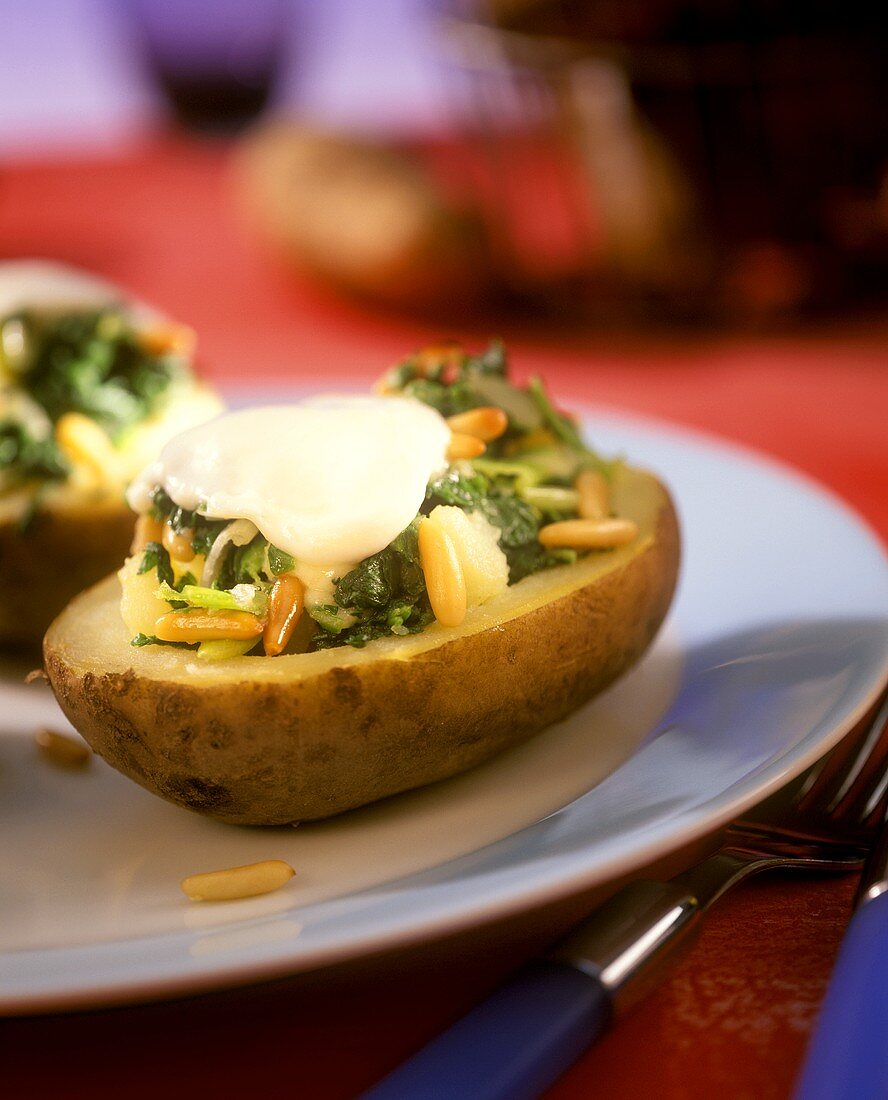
{"x": 485, "y": 423}
{"x": 62, "y": 750}
{"x": 444, "y": 577}
{"x": 589, "y": 534}
{"x": 232, "y": 883}
{"x": 464, "y": 446}
{"x": 594, "y": 494}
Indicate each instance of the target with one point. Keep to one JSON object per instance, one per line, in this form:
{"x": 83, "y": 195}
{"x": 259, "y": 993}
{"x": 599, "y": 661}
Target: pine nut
{"x": 485, "y": 423}
{"x": 148, "y": 529}
{"x": 178, "y": 543}
{"x": 199, "y": 625}
{"x": 443, "y": 573}
{"x": 594, "y": 494}
{"x": 589, "y": 534}
{"x": 238, "y": 882}
{"x": 62, "y": 750}
{"x": 168, "y": 339}
{"x": 464, "y": 446}
{"x": 445, "y": 353}
{"x": 284, "y": 608}
{"x": 85, "y": 443}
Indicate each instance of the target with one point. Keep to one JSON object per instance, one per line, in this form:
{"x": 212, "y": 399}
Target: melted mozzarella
{"x": 333, "y": 479}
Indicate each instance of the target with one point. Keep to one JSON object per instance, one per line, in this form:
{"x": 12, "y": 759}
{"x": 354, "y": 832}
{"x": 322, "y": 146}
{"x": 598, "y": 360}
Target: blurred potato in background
{"x": 361, "y": 216}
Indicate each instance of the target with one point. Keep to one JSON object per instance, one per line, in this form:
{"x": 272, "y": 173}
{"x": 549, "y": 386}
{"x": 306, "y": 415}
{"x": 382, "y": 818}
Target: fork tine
{"x": 848, "y": 770}
{"x": 860, "y": 798}
{"x": 873, "y": 805}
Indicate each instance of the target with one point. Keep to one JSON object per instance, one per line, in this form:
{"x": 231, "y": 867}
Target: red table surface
{"x": 732, "y": 1017}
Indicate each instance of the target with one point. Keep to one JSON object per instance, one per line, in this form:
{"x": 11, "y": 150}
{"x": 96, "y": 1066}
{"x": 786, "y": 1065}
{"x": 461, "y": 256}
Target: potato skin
{"x": 264, "y": 753}
{"x": 60, "y": 554}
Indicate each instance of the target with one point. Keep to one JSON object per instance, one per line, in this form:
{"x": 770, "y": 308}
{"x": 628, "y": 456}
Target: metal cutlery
{"x": 517, "y": 1042}
{"x": 847, "y": 1056}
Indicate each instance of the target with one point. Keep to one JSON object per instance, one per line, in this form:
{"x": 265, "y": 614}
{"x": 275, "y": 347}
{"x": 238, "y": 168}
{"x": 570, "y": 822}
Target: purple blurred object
{"x": 215, "y": 59}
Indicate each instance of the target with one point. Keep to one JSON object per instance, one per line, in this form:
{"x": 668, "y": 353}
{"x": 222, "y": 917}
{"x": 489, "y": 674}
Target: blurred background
{"x": 634, "y": 164}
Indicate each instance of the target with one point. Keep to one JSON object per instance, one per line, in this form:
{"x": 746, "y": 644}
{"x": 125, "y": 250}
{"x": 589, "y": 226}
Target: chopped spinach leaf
{"x": 279, "y": 561}
{"x": 92, "y": 362}
{"x": 249, "y": 562}
{"x": 385, "y": 594}
{"x": 151, "y": 639}
{"x": 26, "y": 457}
{"x": 453, "y": 487}
{"x": 559, "y": 425}
{"x": 157, "y": 557}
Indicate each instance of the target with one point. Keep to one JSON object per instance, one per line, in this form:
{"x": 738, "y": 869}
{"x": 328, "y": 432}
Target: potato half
{"x": 63, "y": 551}
{"x": 263, "y": 741}
{"x": 78, "y": 533}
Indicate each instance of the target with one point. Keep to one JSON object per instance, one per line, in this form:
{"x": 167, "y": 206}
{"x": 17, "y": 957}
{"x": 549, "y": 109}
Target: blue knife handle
{"x": 510, "y": 1047}
{"x": 848, "y": 1055}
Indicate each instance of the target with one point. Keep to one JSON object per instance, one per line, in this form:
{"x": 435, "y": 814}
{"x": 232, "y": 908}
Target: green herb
{"x": 279, "y": 561}
{"x": 449, "y": 399}
{"x": 204, "y": 537}
{"x": 492, "y": 360}
{"x": 245, "y": 597}
{"x": 553, "y": 501}
{"x": 385, "y": 594}
{"x": 249, "y": 562}
{"x": 24, "y": 456}
{"x": 152, "y": 639}
{"x": 91, "y": 362}
{"x": 204, "y": 531}
{"x": 517, "y": 520}
{"x": 559, "y": 425}
{"x": 516, "y": 472}
{"x": 330, "y": 617}
{"x": 457, "y": 488}
{"x": 157, "y": 557}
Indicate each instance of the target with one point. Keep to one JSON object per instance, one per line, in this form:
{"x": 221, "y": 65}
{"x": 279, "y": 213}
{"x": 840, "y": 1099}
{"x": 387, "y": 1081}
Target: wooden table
{"x": 733, "y": 1017}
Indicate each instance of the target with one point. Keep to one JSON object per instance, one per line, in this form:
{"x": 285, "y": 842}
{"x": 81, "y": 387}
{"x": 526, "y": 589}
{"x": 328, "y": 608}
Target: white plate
{"x": 777, "y": 644}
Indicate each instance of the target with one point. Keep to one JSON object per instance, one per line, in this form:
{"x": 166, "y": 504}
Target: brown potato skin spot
{"x": 312, "y": 748}
{"x": 59, "y": 555}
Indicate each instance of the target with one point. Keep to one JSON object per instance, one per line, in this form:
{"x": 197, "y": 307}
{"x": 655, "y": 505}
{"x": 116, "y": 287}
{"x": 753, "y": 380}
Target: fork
{"x": 518, "y": 1042}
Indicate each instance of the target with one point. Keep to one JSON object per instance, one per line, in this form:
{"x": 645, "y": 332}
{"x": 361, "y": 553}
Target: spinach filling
{"x": 384, "y": 594}
{"x": 91, "y": 362}
{"x": 524, "y": 480}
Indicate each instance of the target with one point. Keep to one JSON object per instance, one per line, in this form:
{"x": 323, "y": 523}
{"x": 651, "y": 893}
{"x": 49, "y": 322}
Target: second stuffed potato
{"x": 91, "y": 386}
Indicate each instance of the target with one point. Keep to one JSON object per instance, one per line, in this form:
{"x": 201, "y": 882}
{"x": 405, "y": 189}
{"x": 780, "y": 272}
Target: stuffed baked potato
{"x": 90, "y": 389}
{"x": 244, "y": 680}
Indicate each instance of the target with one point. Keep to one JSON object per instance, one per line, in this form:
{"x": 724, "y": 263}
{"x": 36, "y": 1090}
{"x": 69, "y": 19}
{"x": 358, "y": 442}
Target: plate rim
{"x": 185, "y": 980}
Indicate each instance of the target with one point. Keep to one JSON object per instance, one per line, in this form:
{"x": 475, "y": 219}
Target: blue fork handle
{"x": 510, "y": 1047}
{"x": 848, "y": 1055}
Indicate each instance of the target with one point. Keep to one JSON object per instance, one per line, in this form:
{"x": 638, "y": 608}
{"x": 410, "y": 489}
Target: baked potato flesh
{"x": 258, "y": 740}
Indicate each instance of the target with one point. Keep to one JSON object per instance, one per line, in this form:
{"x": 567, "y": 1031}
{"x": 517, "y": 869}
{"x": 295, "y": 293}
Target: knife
{"x": 847, "y": 1057}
